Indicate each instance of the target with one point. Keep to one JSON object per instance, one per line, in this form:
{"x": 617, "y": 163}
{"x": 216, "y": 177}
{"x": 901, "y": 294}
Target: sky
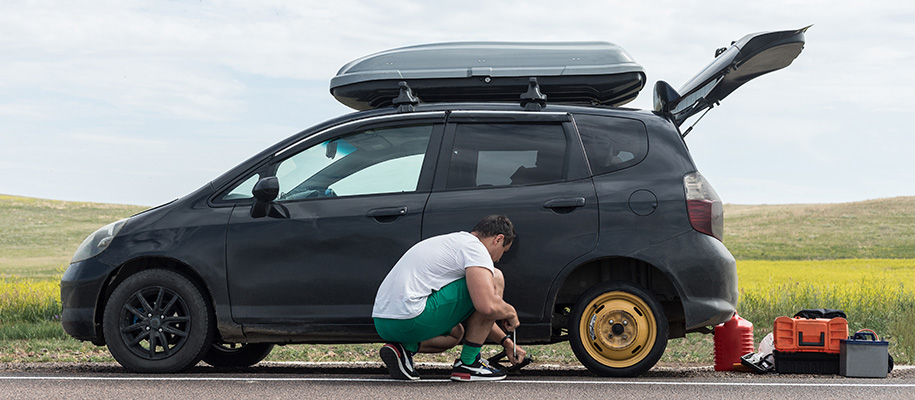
{"x": 142, "y": 102}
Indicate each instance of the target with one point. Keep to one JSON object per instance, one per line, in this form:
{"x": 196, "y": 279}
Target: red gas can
{"x": 733, "y": 339}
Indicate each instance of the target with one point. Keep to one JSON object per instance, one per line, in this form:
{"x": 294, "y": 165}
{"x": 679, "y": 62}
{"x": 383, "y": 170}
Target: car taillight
{"x": 706, "y": 213}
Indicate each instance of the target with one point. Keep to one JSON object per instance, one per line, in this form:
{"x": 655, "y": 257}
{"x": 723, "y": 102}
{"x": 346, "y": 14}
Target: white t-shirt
{"x": 426, "y": 267}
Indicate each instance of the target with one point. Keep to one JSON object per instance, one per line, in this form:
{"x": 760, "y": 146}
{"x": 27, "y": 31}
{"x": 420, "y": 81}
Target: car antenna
{"x": 405, "y": 101}
{"x": 697, "y": 121}
{"x": 533, "y": 100}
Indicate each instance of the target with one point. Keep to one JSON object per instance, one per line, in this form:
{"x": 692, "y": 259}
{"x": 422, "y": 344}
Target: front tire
{"x": 235, "y": 355}
{"x": 618, "y": 329}
{"x": 157, "y": 321}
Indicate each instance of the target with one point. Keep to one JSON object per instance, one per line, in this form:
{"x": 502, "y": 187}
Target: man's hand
{"x": 509, "y": 325}
{"x": 514, "y": 352}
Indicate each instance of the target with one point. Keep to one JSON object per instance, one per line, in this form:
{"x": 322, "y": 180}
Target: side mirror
{"x": 266, "y": 189}
{"x": 265, "y": 192}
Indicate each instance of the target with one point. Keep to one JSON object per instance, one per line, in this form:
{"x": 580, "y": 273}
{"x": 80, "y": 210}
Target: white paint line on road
{"x": 508, "y": 381}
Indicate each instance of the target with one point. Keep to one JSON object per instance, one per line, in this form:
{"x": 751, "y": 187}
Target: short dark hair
{"x": 493, "y": 225}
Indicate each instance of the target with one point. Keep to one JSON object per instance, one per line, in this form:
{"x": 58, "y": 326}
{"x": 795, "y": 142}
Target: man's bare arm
{"x": 486, "y": 301}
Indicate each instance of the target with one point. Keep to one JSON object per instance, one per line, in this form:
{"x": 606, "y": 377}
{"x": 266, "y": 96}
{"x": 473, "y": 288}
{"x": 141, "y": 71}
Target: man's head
{"x": 497, "y": 233}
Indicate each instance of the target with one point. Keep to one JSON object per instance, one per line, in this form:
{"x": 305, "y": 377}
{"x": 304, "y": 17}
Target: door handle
{"x": 567, "y": 202}
{"x": 387, "y": 212}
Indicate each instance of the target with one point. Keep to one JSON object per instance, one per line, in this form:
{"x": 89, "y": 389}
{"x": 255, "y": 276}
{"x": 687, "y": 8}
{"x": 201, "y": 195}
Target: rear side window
{"x": 612, "y": 143}
{"x": 506, "y": 155}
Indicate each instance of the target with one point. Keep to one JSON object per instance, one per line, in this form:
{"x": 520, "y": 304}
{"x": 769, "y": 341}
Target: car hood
{"x": 753, "y": 55}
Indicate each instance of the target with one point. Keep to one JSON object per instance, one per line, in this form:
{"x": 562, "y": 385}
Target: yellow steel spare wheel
{"x": 618, "y": 329}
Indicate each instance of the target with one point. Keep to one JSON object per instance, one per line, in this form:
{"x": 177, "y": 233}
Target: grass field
{"x": 858, "y": 257}
{"x": 38, "y": 237}
{"x": 882, "y": 228}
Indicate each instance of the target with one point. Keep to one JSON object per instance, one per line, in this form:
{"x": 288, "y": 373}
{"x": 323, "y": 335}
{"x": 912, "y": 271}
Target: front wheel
{"x": 618, "y": 329}
{"x": 157, "y": 321}
{"x": 236, "y": 354}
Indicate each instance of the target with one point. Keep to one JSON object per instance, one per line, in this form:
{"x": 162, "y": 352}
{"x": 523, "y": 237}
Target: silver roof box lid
{"x": 583, "y": 73}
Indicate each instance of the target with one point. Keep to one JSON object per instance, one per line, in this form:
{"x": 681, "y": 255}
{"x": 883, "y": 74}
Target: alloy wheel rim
{"x": 154, "y": 323}
{"x": 229, "y": 347}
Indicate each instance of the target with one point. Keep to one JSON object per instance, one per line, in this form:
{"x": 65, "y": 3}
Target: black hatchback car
{"x": 619, "y": 236}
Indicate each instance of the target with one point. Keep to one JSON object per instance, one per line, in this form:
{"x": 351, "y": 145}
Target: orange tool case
{"x": 810, "y": 335}
{"x": 808, "y": 346}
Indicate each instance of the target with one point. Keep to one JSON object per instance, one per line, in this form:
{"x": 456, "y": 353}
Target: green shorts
{"x": 444, "y": 310}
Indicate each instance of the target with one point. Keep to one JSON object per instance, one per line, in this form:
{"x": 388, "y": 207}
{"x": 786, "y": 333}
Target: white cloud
{"x": 176, "y": 92}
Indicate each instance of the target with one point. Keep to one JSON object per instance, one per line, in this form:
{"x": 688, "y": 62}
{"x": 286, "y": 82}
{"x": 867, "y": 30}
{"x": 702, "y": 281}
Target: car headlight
{"x": 98, "y": 241}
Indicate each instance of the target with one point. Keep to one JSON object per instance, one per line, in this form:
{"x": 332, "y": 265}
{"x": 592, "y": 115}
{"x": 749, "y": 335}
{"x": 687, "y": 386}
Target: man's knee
{"x": 499, "y": 281}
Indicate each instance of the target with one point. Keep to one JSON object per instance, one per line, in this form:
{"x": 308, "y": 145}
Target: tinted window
{"x": 386, "y": 160}
{"x": 506, "y": 154}
{"x": 612, "y": 143}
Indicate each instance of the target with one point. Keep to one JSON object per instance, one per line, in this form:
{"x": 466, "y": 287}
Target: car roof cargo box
{"x": 581, "y": 73}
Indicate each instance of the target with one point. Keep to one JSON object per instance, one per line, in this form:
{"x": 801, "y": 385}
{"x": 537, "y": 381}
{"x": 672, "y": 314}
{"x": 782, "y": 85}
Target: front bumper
{"x": 80, "y": 290}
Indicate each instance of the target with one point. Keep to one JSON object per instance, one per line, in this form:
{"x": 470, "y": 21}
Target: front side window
{"x": 383, "y": 160}
{"x": 506, "y": 155}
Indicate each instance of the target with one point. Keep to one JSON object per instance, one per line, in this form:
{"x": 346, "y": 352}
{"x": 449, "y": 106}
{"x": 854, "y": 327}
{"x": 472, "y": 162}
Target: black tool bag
{"x": 820, "y": 313}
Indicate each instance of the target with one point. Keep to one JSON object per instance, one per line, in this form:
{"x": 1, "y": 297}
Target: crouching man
{"x": 435, "y": 286}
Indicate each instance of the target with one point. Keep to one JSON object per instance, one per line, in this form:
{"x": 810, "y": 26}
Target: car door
{"x": 530, "y": 167}
{"x": 352, "y": 201}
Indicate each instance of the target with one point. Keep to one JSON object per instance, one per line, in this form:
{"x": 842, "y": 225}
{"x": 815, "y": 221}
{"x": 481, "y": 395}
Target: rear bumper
{"x": 704, "y": 273}
{"x": 80, "y": 291}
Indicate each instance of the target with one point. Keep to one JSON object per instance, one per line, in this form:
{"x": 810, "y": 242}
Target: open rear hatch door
{"x": 751, "y": 56}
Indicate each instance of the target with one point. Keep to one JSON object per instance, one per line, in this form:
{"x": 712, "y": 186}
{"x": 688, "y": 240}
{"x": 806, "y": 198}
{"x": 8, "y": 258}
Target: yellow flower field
{"x": 875, "y": 293}
{"x": 761, "y": 274}
{"x": 28, "y": 300}
{"x": 878, "y": 294}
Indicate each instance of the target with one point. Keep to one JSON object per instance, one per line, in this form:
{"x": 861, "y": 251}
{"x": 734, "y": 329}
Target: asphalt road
{"x": 369, "y": 381}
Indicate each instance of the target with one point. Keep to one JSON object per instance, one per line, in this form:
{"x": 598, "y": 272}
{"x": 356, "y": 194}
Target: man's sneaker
{"x": 480, "y": 370}
{"x": 399, "y": 361}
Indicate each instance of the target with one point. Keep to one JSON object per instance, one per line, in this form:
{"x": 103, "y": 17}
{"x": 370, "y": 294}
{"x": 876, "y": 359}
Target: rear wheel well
{"x": 133, "y": 266}
{"x": 622, "y": 269}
